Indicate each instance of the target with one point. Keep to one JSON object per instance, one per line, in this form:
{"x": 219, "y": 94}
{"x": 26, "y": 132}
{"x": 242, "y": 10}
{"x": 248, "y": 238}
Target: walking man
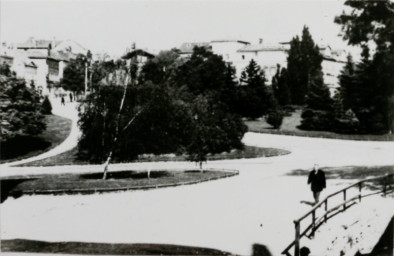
{"x": 71, "y": 97}
{"x": 62, "y": 100}
{"x": 317, "y": 179}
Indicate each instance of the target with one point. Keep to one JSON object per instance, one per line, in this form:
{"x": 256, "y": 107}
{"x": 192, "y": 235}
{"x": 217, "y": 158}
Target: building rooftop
{"x": 32, "y": 43}
{"x": 138, "y": 52}
{"x": 229, "y": 41}
{"x": 263, "y": 48}
{"x": 63, "y": 55}
{"x": 187, "y": 48}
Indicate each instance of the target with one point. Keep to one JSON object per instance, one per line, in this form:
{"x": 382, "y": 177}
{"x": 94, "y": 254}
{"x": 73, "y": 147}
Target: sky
{"x": 112, "y": 26}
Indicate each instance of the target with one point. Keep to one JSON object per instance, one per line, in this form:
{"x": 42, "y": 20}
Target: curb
{"x": 226, "y": 174}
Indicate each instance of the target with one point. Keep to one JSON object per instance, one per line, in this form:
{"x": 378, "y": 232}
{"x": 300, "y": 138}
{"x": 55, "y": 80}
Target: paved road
{"x": 231, "y": 214}
{"x": 257, "y": 206}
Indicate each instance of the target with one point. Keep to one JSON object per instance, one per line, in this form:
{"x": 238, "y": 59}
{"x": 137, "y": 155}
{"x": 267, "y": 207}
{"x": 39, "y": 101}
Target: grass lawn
{"x": 21, "y": 245}
{"x": 352, "y": 173}
{"x": 58, "y": 129}
{"x": 289, "y": 127}
{"x": 70, "y": 157}
{"x": 92, "y": 182}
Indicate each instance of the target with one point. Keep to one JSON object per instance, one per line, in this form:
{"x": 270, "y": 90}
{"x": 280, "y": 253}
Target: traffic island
{"x": 57, "y": 184}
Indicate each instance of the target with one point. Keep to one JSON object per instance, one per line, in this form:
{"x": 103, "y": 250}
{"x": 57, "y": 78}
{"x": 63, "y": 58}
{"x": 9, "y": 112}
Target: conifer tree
{"x": 348, "y": 88}
{"x": 254, "y": 98}
{"x": 280, "y": 87}
{"x": 317, "y": 113}
{"x": 303, "y": 61}
{"x": 372, "y": 23}
{"x": 344, "y": 121}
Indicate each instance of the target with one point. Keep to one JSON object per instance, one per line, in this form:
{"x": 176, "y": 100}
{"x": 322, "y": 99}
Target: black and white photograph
{"x": 197, "y": 127}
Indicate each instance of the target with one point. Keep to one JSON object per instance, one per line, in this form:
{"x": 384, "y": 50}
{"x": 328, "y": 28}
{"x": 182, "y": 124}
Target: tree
{"x": 20, "y": 109}
{"x": 371, "y": 24}
{"x": 317, "y": 114}
{"x": 254, "y": 97}
{"x": 161, "y": 69}
{"x": 46, "y": 107}
{"x": 344, "y": 121}
{"x": 204, "y": 85}
{"x": 275, "y": 118}
{"x": 99, "y": 70}
{"x": 5, "y": 69}
{"x": 369, "y": 99}
{"x": 74, "y": 75}
{"x": 190, "y": 114}
{"x": 304, "y": 60}
{"x": 149, "y": 122}
{"x": 213, "y": 130}
{"x": 348, "y": 88}
{"x": 280, "y": 87}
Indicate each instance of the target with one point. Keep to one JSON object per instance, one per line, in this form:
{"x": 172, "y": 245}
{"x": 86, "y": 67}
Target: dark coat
{"x": 317, "y": 180}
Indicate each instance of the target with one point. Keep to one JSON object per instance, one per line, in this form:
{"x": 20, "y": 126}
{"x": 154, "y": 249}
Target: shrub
{"x": 19, "y": 109}
{"x": 315, "y": 120}
{"x": 46, "y": 107}
{"x": 275, "y": 118}
{"x": 346, "y": 124}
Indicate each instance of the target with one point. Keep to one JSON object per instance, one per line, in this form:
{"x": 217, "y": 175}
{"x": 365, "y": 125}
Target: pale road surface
{"x": 257, "y": 206}
{"x": 69, "y": 110}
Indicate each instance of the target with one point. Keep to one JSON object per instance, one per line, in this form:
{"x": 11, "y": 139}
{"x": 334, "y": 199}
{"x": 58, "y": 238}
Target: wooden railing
{"x": 316, "y": 222}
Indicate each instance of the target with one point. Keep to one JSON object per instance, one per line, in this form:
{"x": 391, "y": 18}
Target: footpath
{"x": 357, "y": 230}
{"x": 69, "y": 110}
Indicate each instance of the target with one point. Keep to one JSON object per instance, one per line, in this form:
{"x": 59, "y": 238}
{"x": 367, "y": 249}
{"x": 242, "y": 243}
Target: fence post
{"x": 325, "y": 209}
{"x": 390, "y": 181}
{"x": 313, "y": 223}
{"x": 344, "y": 199}
{"x": 359, "y": 190}
{"x": 297, "y": 239}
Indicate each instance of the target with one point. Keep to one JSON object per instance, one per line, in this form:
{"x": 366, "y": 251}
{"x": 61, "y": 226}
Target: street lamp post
{"x": 87, "y": 61}
{"x": 86, "y": 77}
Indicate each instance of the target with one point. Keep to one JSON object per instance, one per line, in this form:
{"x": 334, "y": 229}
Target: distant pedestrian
{"x": 317, "y": 179}
{"x": 71, "y": 97}
{"x": 62, "y": 100}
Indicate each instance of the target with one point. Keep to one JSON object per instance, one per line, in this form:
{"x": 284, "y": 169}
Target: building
{"x": 121, "y": 77}
{"x": 333, "y": 63}
{"x": 50, "y": 58}
{"x": 138, "y": 55}
{"x": 19, "y": 63}
{"x": 69, "y": 46}
{"x": 239, "y": 54}
{"x": 186, "y": 49}
{"x": 267, "y": 56}
{"x": 228, "y": 49}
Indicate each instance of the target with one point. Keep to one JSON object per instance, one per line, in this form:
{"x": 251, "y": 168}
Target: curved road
{"x": 231, "y": 214}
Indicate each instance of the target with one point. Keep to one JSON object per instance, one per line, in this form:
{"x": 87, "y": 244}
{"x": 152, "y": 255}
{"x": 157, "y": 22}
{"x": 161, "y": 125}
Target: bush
{"x": 19, "y": 109}
{"x": 46, "y": 107}
{"x": 275, "y": 118}
{"x": 347, "y": 124}
{"x": 315, "y": 120}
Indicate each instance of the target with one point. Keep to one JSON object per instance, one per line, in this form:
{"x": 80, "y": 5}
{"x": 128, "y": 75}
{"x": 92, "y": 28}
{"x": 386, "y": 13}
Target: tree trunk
{"x": 391, "y": 114}
{"x": 106, "y": 165}
{"x": 117, "y": 129}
